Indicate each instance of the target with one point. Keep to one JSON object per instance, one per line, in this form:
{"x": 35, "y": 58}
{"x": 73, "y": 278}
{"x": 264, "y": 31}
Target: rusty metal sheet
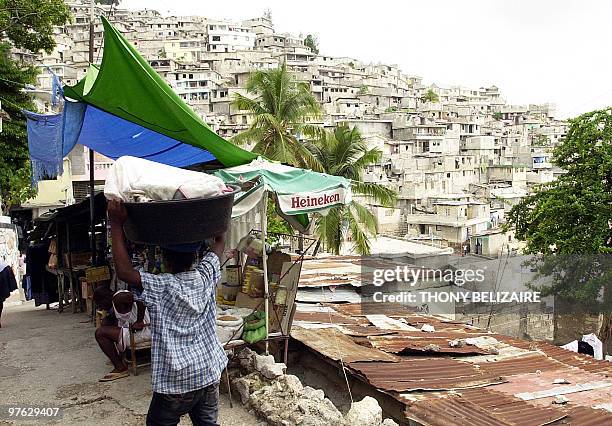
{"x": 584, "y": 362}
{"x": 451, "y": 410}
{"x": 568, "y": 358}
{"x": 327, "y": 280}
{"x": 335, "y": 345}
{"x": 543, "y": 381}
{"x": 511, "y": 409}
{"x": 521, "y": 365}
{"x": 327, "y": 318}
{"x": 424, "y": 343}
{"x": 363, "y": 309}
{"x": 584, "y": 416}
{"x": 423, "y": 374}
{"x": 363, "y": 331}
{"x": 504, "y": 409}
{"x": 441, "y": 324}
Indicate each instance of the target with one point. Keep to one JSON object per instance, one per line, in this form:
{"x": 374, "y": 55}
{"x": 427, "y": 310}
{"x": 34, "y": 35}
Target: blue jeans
{"x": 202, "y": 405}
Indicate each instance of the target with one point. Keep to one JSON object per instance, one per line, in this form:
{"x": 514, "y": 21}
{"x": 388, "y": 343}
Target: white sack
{"x": 571, "y": 346}
{"x": 594, "y": 341}
{"x": 135, "y": 179}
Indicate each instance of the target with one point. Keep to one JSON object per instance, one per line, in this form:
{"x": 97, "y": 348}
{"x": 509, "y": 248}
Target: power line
{"x": 13, "y": 82}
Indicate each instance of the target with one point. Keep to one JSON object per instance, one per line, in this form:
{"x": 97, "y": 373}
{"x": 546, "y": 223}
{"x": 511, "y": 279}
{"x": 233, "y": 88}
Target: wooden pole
{"x": 92, "y": 224}
{"x": 264, "y": 258}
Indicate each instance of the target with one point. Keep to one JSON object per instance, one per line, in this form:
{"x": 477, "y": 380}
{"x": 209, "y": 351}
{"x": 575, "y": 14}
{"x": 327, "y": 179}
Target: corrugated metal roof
{"x": 543, "y": 381}
{"x": 584, "y": 362}
{"x": 325, "y": 317}
{"x": 359, "y": 330}
{"x": 407, "y": 344}
{"x": 335, "y": 345}
{"x": 423, "y": 374}
{"x": 451, "y": 411}
{"x": 471, "y": 386}
{"x": 569, "y": 358}
{"x": 521, "y": 365}
{"x": 586, "y": 417}
{"x": 467, "y": 406}
{"x": 363, "y": 309}
{"x": 511, "y": 409}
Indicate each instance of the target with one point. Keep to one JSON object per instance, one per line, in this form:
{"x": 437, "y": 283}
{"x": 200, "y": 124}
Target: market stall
{"x": 296, "y": 192}
{"x": 58, "y": 255}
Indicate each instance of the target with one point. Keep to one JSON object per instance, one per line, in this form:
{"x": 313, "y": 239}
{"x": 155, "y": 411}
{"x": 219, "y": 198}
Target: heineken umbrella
{"x": 297, "y": 193}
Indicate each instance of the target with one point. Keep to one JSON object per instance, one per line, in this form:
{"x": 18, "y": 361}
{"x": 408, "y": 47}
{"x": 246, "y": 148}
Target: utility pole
{"x": 92, "y": 229}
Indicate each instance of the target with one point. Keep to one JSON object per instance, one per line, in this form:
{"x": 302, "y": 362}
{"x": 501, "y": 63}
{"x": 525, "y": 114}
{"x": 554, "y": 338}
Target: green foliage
{"x": 498, "y": 116}
{"x": 391, "y": 109}
{"x": 343, "y": 152}
{"x": 276, "y": 224}
{"x": 28, "y": 24}
{"x": 567, "y": 223}
{"x": 312, "y": 42}
{"x": 281, "y": 107}
{"x": 430, "y": 96}
{"x": 15, "y": 175}
{"x": 571, "y": 215}
{"x": 363, "y": 90}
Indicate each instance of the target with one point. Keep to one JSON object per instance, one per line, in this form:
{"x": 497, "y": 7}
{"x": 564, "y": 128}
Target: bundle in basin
{"x": 167, "y": 205}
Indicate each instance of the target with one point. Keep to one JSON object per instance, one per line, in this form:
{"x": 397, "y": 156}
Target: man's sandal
{"x": 114, "y": 376}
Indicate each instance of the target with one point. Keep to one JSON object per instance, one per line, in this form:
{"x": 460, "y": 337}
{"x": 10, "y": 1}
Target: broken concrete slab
{"x": 273, "y": 371}
{"x": 366, "y": 412}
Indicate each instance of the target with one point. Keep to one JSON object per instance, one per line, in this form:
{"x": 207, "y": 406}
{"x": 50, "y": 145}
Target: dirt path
{"x": 52, "y": 360}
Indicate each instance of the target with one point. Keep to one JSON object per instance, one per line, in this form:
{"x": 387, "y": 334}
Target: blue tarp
{"x": 44, "y": 144}
{"x": 52, "y": 137}
{"x": 114, "y": 137}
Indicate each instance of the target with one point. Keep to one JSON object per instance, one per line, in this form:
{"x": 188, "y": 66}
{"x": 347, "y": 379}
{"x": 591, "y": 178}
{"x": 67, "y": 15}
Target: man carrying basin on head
{"x": 186, "y": 356}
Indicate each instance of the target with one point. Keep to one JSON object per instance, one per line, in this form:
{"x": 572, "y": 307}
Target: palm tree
{"x": 430, "y": 96}
{"x": 343, "y": 152}
{"x": 280, "y": 107}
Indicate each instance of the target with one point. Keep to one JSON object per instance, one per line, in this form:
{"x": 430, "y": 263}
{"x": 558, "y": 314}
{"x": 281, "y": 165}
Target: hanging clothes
{"x": 8, "y": 283}
{"x": 43, "y": 284}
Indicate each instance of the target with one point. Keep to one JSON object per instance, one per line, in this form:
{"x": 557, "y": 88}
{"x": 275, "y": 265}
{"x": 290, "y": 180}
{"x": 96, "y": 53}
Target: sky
{"x": 535, "y": 51}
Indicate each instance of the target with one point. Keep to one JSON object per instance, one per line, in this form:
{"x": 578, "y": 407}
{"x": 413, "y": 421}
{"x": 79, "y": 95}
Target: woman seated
{"x": 113, "y": 335}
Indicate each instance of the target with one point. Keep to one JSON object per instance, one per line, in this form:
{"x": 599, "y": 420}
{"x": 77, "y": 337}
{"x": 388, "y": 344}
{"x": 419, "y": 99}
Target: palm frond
{"x": 329, "y": 228}
{"x": 380, "y": 194}
{"x": 364, "y": 217}
{"x": 359, "y": 233}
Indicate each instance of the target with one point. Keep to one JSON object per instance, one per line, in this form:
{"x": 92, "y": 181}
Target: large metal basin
{"x": 179, "y": 221}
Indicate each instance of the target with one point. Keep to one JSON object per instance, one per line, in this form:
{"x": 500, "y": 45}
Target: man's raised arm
{"x": 218, "y": 245}
{"x": 123, "y": 265}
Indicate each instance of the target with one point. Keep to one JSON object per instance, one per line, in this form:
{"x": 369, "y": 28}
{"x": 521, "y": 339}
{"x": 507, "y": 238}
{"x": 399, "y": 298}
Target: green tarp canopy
{"x": 128, "y": 87}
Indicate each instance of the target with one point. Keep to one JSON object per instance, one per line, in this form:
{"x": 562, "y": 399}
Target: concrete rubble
{"x": 365, "y": 413}
{"x": 282, "y": 400}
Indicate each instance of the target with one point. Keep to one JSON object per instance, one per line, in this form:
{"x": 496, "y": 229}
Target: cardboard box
{"x": 100, "y": 273}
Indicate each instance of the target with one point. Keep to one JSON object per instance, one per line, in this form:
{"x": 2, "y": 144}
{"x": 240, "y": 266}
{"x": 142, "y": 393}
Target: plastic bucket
{"x": 229, "y": 291}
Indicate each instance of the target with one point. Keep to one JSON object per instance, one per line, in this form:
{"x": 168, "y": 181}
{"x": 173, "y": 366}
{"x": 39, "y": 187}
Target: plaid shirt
{"x": 186, "y": 354}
